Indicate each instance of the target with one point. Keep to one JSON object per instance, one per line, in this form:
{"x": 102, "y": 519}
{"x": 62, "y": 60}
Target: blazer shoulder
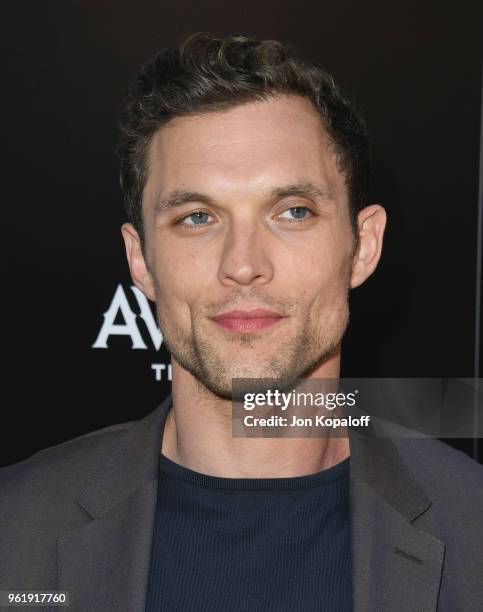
{"x": 42, "y": 489}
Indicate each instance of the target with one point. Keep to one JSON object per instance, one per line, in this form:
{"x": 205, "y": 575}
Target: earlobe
{"x": 140, "y": 274}
{"x": 371, "y": 225}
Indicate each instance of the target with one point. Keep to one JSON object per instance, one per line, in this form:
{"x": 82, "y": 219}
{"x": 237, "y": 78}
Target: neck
{"x": 198, "y": 435}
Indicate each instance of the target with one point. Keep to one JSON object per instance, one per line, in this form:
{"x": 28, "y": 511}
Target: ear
{"x": 140, "y": 274}
{"x": 371, "y": 222}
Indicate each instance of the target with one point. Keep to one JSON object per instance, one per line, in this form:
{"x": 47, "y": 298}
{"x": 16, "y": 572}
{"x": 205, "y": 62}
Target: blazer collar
{"x": 132, "y": 459}
{"x": 375, "y": 460}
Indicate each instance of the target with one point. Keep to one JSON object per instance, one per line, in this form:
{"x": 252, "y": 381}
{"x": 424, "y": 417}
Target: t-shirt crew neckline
{"x": 171, "y": 468}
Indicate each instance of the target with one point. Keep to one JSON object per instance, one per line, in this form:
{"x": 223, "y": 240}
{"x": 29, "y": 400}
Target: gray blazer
{"x": 78, "y": 517}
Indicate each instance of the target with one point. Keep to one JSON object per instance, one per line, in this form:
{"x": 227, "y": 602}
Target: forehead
{"x": 255, "y": 145}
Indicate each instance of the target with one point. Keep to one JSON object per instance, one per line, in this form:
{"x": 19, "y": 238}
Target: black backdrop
{"x": 413, "y": 67}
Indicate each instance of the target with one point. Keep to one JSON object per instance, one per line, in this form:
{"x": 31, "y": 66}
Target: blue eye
{"x": 297, "y": 210}
{"x": 197, "y": 215}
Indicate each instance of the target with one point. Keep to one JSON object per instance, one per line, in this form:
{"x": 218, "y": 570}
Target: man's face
{"x": 260, "y": 221}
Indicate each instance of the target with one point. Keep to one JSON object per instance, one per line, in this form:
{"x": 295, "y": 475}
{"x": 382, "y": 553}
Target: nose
{"x": 245, "y": 259}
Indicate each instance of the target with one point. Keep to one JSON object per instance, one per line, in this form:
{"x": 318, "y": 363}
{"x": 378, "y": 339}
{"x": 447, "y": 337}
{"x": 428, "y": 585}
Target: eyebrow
{"x": 179, "y": 197}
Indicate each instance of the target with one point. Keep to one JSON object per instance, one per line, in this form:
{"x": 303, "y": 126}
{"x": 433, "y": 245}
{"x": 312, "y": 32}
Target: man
{"x": 244, "y": 171}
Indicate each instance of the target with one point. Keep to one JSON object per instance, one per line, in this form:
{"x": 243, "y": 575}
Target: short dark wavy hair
{"x": 206, "y": 73}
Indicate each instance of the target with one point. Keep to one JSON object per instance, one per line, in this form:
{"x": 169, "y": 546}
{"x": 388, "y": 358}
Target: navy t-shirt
{"x": 251, "y": 544}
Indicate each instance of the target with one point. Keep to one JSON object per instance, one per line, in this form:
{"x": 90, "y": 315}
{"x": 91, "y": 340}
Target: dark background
{"x": 414, "y": 69}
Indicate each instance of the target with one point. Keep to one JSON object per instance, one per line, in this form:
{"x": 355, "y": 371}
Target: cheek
{"x": 324, "y": 282}
{"x": 179, "y": 280}
{"x": 316, "y": 268}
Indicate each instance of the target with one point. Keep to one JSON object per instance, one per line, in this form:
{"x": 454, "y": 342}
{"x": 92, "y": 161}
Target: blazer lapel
{"x": 105, "y": 564}
{"x": 395, "y": 565}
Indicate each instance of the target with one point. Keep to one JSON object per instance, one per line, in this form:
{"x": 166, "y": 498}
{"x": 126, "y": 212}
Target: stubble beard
{"x": 295, "y": 358}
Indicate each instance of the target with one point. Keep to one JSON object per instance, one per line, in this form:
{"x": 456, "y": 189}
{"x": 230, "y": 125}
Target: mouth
{"x": 247, "y": 321}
